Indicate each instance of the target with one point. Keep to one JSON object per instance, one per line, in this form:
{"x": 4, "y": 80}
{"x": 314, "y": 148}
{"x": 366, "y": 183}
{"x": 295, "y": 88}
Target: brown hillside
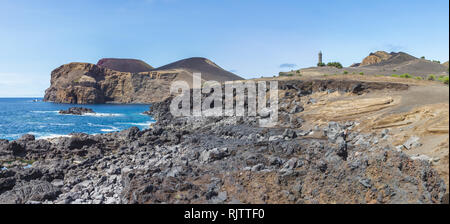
{"x": 84, "y": 83}
{"x": 208, "y": 69}
{"x": 124, "y": 65}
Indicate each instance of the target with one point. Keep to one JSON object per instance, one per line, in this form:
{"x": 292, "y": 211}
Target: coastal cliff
{"x": 85, "y": 83}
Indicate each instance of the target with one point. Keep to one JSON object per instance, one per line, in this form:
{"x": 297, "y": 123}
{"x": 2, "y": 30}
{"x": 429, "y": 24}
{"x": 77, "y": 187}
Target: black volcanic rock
{"x": 204, "y": 158}
{"x": 77, "y": 111}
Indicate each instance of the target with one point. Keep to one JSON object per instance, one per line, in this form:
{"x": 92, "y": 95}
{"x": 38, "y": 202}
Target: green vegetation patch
{"x": 406, "y": 75}
{"x": 286, "y": 74}
{"x": 444, "y": 79}
{"x": 432, "y": 77}
{"x": 335, "y": 64}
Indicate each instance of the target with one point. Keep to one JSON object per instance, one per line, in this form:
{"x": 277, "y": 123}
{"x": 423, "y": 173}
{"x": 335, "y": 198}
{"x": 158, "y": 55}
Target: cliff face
{"x": 375, "y": 58}
{"x": 382, "y": 58}
{"x": 84, "y": 83}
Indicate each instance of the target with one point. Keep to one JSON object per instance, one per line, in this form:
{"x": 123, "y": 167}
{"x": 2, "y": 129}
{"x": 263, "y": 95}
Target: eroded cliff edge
{"x": 85, "y": 83}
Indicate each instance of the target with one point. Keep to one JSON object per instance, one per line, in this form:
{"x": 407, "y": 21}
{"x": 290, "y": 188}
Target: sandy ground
{"x": 422, "y": 111}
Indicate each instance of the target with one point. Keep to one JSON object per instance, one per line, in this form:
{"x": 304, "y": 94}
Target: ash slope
{"x": 224, "y": 160}
{"x": 208, "y": 69}
{"x": 84, "y": 83}
{"x": 124, "y": 65}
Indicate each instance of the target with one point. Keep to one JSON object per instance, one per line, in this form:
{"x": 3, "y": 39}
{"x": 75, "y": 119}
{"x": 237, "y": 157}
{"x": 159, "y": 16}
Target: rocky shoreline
{"x": 221, "y": 160}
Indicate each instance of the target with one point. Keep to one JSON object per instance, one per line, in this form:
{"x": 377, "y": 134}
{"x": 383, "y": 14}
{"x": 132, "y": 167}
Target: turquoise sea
{"x": 19, "y": 116}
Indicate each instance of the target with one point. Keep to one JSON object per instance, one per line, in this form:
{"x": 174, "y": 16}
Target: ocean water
{"x": 19, "y": 116}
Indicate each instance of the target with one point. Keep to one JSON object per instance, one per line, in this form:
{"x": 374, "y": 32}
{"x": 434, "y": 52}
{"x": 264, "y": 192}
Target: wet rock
{"x": 77, "y": 111}
{"x": 130, "y": 133}
{"x": 16, "y": 149}
{"x": 27, "y": 138}
{"x": 77, "y": 141}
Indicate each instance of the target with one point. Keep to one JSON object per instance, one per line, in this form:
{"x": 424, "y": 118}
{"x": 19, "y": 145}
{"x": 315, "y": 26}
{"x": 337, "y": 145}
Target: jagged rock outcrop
{"x": 77, "y": 111}
{"x": 84, "y": 83}
{"x": 375, "y": 58}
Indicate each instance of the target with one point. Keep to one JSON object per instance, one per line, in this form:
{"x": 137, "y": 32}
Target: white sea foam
{"x": 50, "y": 136}
{"x": 98, "y": 125}
{"x": 62, "y": 124}
{"x": 44, "y": 125}
{"x": 137, "y": 124}
{"x": 109, "y": 130}
{"x": 102, "y": 115}
{"x": 105, "y": 128}
{"x": 45, "y": 112}
{"x": 13, "y": 136}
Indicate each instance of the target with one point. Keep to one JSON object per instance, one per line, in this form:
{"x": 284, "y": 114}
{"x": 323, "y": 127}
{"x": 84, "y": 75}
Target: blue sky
{"x": 252, "y": 38}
